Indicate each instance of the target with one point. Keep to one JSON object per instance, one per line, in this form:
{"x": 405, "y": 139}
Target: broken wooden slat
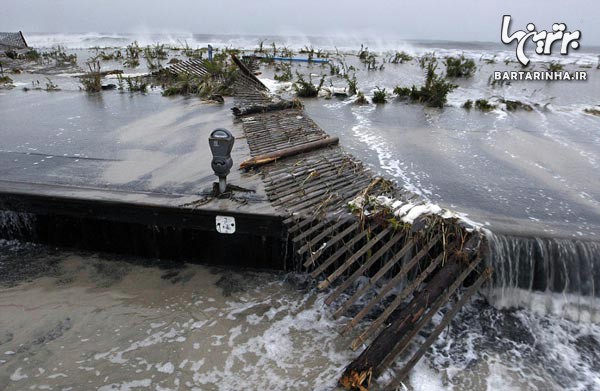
{"x": 364, "y": 267}
{"x": 356, "y": 256}
{"x": 438, "y": 330}
{"x": 396, "y": 303}
{"x": 392, "y": 283}
{"x": 433, "y": 309}
{"x": 399, "y": 321}
{"x": 343, "y": 249}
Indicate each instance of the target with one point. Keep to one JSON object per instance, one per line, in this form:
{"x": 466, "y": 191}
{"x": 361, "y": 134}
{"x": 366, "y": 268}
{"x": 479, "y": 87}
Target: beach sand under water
{"x": 92, "y": 321}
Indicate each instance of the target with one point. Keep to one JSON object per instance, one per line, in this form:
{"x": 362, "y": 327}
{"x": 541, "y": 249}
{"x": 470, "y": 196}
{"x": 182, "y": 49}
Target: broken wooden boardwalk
{"x": 12, "y": 41}
{"x": 387, "y": 277}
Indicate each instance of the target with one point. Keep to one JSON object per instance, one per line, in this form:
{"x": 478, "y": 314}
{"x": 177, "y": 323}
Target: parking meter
{"x": 210, "y": 54}
{"x": 221, "y": 143}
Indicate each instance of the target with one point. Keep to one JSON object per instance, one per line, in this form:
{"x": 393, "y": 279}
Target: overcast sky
{"x": 418, "y": 19}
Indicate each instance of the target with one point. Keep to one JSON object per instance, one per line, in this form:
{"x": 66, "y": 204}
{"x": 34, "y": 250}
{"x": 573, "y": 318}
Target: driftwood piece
{"x": 287, "y": 152}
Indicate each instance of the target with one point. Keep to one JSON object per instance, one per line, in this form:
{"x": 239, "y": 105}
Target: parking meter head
{"x": 221, "y": 143}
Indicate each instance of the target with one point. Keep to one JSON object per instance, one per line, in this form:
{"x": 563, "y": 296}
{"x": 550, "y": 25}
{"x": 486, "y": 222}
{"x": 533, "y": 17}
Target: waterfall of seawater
{"x": 558, "y": 276}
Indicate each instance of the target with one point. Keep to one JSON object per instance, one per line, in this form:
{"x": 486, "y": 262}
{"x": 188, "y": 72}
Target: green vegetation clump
{"x": 460, "y": 67}
{"x": 554, "y": 66}
{"x": 92, "y": 80}
{"x": 361, "y": 99}
{"x": 5, "y": 80}
{"x": 134, "y": 84}
{"x": 468, "y": 104}
{"x": 132, "y": 55}
{"x": 427, "y": 58}
{"x": 116, "y": 55}
{"x": 484, "y": 105}
{"x": 156, "y": 52}
{"x": 435, "y": 91}
{"x": 50, "y": 86}
{"x": 60, "y": 56}
{"x": 306, "y": 89}
{"x": 352, "y": 84}
{"x": 592, "y": 111}
{"x": 379, "y": 96}
{"x": 514, "y": 105}
{"x": 286, "y": 72}
{"x": 401, "y": 58}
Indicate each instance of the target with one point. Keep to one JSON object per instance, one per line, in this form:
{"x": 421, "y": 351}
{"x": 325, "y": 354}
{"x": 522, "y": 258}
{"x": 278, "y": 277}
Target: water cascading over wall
{"x": 547, "y": 275}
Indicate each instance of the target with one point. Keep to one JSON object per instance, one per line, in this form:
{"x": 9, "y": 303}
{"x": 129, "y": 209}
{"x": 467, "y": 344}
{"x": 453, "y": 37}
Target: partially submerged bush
{"x": 468, "y": 104}
{"x": 427, "y": 58}
{"x": 50, "y": 86}
{"x": 306, "y": 89}
{"x": 286, "y": 72}
{"x": 60, "y": 56}
{"x": 156, "y": 52}
{"x": 379, "y": 96}
{"x": 132, "y": 55}
{"x": 134, "y": 84}
{"x": 554, "y": 66}
{"x": 592, "y": 111}
{"x": 5, "y": 80}
{"x": 400, "y": 58}
{"x": 514, "y": 105}
{"x": 92, "y": 80}
{"x": 361, "y": 99}
{"x": 484, "y": 105}
{"x": 435, "y": 91}
{"x": 460, "y": 67}
{"x": 352, "y": 84}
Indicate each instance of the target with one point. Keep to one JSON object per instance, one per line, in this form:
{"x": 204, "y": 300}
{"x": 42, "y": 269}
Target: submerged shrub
{"x": 592, "y": 111}
{"x": 5, "y": 80}
{"x": 306, "y": 89}
{"x": 400, "y": 58}
{"x": 484, "y": 105}
{"x": 92, "y": 80}
{"x": 435, "y": 91}
{"x": 460, "y": 67}
{"x": 361, "y": 99}
{"x": 286, "y": 72}
{"x": 468, "y": 104}
{"x": 514, "y": 105}
{"x": 379, "y": 96}
{"x": 352, "y": 84}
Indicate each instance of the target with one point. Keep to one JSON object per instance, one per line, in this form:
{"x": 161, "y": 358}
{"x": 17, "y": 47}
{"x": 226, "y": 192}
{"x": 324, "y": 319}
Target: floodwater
{"x": 93, "y": 321}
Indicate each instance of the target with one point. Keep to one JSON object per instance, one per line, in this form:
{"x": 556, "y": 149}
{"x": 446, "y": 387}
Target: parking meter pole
{"x": 222, "y": 185}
